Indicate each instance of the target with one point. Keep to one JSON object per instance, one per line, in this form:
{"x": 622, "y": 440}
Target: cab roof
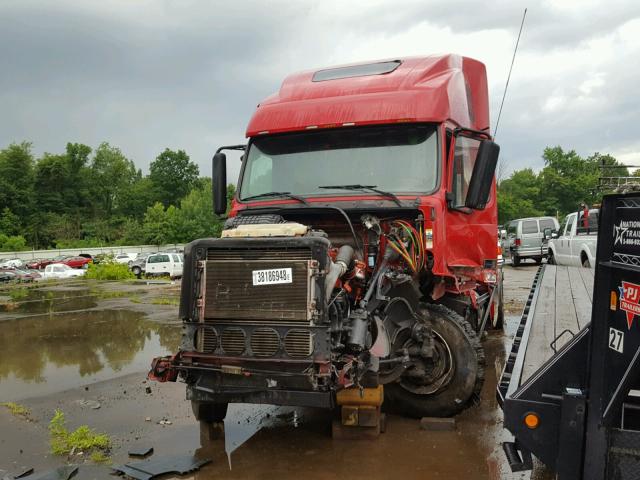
{"x": 436, "y": 88}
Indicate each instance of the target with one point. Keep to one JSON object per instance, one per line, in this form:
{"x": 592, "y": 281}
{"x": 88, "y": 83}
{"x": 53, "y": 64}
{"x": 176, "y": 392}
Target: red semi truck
{"x": 360, "y": 247}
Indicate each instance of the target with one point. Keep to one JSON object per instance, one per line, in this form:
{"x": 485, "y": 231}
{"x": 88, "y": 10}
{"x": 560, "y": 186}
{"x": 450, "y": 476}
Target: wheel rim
{"x": 438, "y": 374}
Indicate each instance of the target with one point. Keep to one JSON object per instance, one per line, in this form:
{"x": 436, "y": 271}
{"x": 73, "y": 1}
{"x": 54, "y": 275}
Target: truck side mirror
{"x": 219, "y": 183}
{"x": 547, "y": 233}
{"x": 482, "y": 176}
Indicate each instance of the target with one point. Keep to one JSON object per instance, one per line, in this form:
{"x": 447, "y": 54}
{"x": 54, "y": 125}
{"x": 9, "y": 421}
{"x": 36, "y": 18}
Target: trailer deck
{"x": 558, "y": 307}
{"x": 561, "y": 310}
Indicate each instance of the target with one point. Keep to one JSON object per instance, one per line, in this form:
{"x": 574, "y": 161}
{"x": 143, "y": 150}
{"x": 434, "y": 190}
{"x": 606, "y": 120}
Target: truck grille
{"x": 231, "y": 295}
{"x": 210, "y": 340}
{"x": 298, "y": 343}
{"x": 265, "y": 342}
{"x": 233, "y": 341}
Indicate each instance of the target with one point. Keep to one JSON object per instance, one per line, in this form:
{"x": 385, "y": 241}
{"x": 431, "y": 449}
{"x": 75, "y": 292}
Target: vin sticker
{"x": 272, "y": 276}
{"x": 616, "y": 340}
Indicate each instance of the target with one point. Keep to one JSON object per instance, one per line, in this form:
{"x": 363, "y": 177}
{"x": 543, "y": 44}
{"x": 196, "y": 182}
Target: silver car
{"x": 525, "y": 238}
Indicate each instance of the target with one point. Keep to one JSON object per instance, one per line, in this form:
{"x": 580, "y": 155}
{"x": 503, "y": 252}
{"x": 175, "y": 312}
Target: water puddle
{"x": 243, "y": 422}
{"x": 43, "y": 354}
{"x": 23, "y": 301}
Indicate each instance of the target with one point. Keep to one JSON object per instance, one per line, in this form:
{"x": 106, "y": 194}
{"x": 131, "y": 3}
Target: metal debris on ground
{"x": 60, "y": 473}
{"x": 240, "y": 425}
{"x": 93, "y": 404}
{"x": 164, "y": 421}
{"x": 148, "y": 469}
{"x": 140, "y": 451}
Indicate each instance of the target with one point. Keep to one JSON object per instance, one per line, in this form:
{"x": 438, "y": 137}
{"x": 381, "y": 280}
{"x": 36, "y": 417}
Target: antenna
{"x": 515, "y": 50}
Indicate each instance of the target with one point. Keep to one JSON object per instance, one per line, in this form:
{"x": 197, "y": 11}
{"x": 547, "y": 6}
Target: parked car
{"x": 164, "y": 264}
{"x": 61, "y": 270}
{"x": 525, "y": 238}
{"x": 139, "y": 265}
{"x": 127, "y": 258}
{"x": 38, "y": 264}
{"x": 11, "y": 263}
{"x": 21, "y": 275}
{"x": 575, "y": 241}
{"x": 77, "y": 262}
{"x": 7, "y": 276}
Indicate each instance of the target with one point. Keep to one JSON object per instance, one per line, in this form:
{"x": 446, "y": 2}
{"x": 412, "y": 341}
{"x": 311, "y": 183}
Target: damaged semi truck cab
{"x": 360, "y": 247}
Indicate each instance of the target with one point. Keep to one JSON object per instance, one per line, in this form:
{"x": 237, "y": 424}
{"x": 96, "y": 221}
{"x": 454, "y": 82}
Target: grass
{"x": 83, "y": 439}
{"x": 17, "y": 294}
{"x": 99, "y": 456}
{"x": 135, "y": 299}
{"x": 109, "y": 271}
{"x": 165, "y": 301}
{"x": 105, "y": 294}
{"x": 16, "y": 409}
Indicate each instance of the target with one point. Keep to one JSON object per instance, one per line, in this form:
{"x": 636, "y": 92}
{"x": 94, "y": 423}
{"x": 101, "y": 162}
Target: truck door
{"x": 152, "y": 262}
{"x": 564, "y": 241}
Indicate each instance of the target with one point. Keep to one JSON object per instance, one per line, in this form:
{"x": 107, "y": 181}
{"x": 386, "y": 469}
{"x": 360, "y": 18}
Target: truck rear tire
{"x": 516, "y": 260}
{"x": 461, "y": 365}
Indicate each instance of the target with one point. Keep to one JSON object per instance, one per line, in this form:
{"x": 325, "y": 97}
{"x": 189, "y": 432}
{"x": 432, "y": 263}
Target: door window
{"x": 570, "y": 220}
{"x": 547, "y": 223}
{"x": 530, "y": 226}
{"x": 464, "y": 159}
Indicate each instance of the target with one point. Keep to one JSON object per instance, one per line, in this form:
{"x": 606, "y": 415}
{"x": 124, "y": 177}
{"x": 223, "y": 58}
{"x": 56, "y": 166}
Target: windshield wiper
{"x": 277, "y": 194}
{"x": 365, "y": 188}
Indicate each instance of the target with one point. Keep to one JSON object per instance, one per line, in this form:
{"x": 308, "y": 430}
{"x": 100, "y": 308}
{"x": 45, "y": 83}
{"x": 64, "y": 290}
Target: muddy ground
{"x": 84, "y": 348}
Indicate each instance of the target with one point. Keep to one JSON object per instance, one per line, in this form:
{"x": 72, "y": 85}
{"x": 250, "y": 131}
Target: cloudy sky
{"x": 145, "y": 75}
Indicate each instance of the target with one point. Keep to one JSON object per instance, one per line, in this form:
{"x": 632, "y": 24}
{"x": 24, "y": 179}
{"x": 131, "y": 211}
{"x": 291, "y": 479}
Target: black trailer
{"x": 579, "y": 412}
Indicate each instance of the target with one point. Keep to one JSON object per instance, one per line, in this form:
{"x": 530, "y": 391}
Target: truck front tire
{"x": 466, "y": 377}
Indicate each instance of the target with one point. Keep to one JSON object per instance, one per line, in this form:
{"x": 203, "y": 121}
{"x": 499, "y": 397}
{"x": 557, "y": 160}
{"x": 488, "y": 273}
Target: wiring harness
{"x": 409, "y": 243}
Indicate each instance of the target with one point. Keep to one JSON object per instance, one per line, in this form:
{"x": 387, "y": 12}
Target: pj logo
{"x": 630, "y": 301}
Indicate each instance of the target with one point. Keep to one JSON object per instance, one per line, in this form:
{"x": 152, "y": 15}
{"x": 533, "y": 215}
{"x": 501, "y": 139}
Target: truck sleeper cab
{"x": 360, "y": 248}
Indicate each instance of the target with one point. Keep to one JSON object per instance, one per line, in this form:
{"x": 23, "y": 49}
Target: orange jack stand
{"x": 360, "y": 413}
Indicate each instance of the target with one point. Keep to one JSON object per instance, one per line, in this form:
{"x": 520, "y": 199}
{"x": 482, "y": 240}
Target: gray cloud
{"x": 145, "y": 76}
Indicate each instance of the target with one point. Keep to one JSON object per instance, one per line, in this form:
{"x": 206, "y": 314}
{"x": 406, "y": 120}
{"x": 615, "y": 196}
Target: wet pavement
{"x": 99, "y": 354}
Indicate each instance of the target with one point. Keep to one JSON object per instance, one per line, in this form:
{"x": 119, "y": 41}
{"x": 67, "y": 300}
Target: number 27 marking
{"x": 616, "y": 340}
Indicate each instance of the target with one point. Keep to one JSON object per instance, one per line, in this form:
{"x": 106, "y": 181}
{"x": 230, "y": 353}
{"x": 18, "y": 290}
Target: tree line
{"x": 91, "y": 198}
{"x": 565, "y": 181}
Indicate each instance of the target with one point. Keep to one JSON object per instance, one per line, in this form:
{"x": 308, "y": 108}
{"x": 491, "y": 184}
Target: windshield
{"x": 400, "y": 159}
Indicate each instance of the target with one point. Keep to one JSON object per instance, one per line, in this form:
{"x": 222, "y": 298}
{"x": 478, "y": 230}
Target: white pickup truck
{"x": 576, "y": 241}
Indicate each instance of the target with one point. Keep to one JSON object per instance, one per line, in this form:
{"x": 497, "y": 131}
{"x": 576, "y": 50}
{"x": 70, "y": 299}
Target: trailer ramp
{"x": 570, "y": 387}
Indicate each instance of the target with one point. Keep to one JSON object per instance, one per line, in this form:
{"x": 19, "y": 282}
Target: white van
{"x": 164, "y": 264}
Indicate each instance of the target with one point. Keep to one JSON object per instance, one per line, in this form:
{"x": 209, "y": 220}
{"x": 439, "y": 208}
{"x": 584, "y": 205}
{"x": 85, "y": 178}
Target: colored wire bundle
{"x": 409, "y": 243}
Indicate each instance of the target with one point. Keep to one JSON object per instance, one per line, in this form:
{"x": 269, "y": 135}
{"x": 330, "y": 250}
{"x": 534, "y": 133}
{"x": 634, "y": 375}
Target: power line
{"x": 515, "y": 50}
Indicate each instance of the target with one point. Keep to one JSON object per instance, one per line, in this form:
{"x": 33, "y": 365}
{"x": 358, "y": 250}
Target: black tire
{"x": 467, "y": 375}
{"x": 137, "y": 271}
{"x": 516, "y": 260}
{"x": 538, "y": 260}
{"x": 550, "y": 258}
{"x": 586, "y": 263}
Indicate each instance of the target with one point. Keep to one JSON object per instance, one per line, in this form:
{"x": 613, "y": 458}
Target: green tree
{"x": 173, "y": 176}
{"x": 16, "y": 179}
{"x": 9, "y": 222}
{"x": 155, "y": 226}
{"x": 111, "y": 175}
{"x": 195, "y": 218}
